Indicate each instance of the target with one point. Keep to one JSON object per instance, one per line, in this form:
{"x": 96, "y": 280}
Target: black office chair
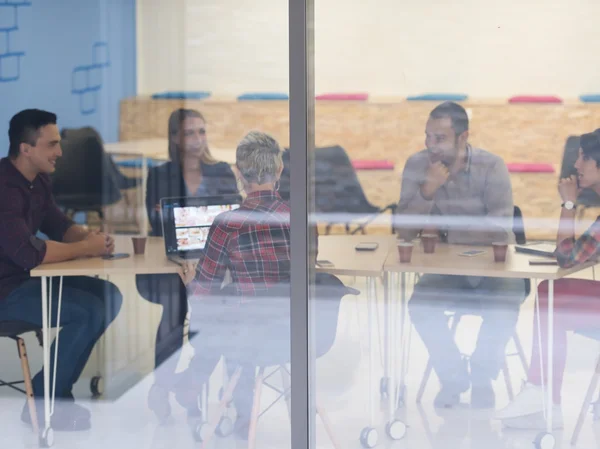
{"x": 13, "y": 330}
{"x": 108, "y": 164}
{"x": 588, "y": 197}
{"x": 271, "y": 317}
{"x": 86, "y": 178}
{"x": 337, "y": 190}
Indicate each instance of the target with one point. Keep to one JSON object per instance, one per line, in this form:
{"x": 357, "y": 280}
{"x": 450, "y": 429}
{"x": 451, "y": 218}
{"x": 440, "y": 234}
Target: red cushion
{"x": 354, "y": 97}
{"x": 372, "y": 165}
{"x": 530, "y": 168}
{"x": 535, "y": 99}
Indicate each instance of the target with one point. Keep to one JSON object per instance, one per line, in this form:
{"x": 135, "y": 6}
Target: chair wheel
{"x": 545, "y": 440}
{"x": 47, "y": 438}
{"x": 396, "y": 430}
{"x": 369, "y": 437}
{"x": 201, "y": 432}
{"x": 97, "y": 386}
{"x": 225, "y": 427}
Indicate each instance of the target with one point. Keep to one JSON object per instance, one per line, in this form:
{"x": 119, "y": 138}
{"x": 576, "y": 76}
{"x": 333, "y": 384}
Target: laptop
{"x": 544, "y": 249}
{"x": 186, "y": 222}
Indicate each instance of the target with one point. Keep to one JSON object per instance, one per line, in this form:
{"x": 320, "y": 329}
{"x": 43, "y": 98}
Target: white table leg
{"x": 385, "y": 380}
{"x": 49, "y": 395}
{"x": 550, "y": 330}
{"x": 400, "y": 399}
{"x": 46, "y": 298}
{"x": 370, "y": 304}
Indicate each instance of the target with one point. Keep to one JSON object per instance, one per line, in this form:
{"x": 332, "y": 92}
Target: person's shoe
{"x": 158, "y": 402}
{"x": 482, "y": 396}
{"x": 449, "y": 394}
{"x": 528, "y": 402}
{"x": 535, "y": 421}
{"x": 68, "y": 416}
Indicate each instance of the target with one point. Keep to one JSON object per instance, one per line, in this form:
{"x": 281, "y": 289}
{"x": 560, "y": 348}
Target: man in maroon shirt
{"x": 27, "y": 206}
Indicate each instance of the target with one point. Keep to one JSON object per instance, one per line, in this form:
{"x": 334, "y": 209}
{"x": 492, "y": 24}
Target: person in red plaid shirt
{"x": 252, "y": 243}
{"x": 576, "y": 301}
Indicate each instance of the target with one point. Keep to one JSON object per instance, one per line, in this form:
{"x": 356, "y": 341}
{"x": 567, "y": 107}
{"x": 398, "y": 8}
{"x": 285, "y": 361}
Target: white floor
{"x": 343, "y": 390}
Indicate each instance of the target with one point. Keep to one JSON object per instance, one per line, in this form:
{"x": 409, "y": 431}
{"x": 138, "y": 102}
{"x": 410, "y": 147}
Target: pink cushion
{"x": 535, "y": 99}
{"x": 342, "y": 97}
{"x": 372, "y": 165}
{"x": 530, "y": 168}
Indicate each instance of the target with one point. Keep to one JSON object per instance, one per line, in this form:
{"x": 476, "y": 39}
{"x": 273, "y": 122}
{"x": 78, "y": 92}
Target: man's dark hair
{"x": 590, "y": 146}
{"x": 24, "y": 128}
{"x": 456, "y": 113}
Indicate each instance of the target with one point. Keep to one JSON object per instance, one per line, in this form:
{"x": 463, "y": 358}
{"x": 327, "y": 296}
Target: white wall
{"x": 386, "y": 47}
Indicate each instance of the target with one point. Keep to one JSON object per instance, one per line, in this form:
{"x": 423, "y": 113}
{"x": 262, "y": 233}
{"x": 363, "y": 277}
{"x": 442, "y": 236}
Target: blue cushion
{"x": 590, "y": 98}
{"x": 137, "y": 163}
{"x": 181, "y": 95}
{"x": 590, "y": 333}
{"x": 438, "y": 97}
{"x": 263, "y": 96}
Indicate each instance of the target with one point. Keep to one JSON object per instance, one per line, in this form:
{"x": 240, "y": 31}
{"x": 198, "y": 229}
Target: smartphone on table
{"x": 472, "y": 253}
{"x": 367, "y": 246}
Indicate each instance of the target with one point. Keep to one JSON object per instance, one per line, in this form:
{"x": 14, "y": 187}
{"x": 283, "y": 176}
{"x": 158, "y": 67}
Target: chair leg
{"x": 255, "y": 408}
{"x": 328, "y": 428}
{"x": 586, "y": 403}
{"x": 520, "y": 352}
{"x": 28, "y": 385}
{"x": 285, "y": 382}
{"x": 225, "y": 399}
{"x": 506, "y": 375}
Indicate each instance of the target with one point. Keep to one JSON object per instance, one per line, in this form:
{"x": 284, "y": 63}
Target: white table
{"x": 446, "y": 261}
{"x": 154, "y": 261}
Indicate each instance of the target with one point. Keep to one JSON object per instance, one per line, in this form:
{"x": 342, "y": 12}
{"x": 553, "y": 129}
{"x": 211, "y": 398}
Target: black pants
{"x": 168, "y": 291}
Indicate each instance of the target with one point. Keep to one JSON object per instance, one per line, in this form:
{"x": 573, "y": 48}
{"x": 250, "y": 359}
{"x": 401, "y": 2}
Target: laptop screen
{"x": 186, "y": 221}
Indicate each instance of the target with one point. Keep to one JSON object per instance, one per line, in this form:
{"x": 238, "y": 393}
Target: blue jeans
{"x": 496, "y": 300}
{"x": 89, "y": 305}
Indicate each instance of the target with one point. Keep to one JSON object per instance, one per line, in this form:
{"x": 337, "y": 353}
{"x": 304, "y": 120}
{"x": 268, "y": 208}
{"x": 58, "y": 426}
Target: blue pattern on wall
{"x": 86, "y": 80}
{"x": 10, "y": 59}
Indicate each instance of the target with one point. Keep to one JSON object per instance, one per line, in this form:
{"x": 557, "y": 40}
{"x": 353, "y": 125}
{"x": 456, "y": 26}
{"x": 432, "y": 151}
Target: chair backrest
{"x": 83, "y": 178}
{"x": 337, "y": 188}
{"x": 587, "y": 197}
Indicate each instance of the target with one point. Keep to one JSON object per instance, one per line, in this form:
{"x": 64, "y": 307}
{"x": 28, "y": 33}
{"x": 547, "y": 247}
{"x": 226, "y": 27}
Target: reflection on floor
{"x": 343, "y": 390}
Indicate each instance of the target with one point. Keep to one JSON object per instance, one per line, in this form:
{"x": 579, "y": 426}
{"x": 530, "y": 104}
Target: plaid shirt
{"x": 253, "y": 242}
{"x": 571, "y": 251}
{"x": 25, "y": 208}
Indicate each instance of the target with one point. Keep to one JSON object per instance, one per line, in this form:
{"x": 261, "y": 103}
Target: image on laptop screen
{"x": 187, "y": 221}
{"x": 192, "y": 224}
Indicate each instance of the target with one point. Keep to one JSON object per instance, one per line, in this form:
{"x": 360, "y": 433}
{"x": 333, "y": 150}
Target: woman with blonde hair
{"x": 192, "y": 171}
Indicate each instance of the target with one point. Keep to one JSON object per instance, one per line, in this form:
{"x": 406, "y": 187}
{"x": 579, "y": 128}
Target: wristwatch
{"x": 569, "y": 205}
